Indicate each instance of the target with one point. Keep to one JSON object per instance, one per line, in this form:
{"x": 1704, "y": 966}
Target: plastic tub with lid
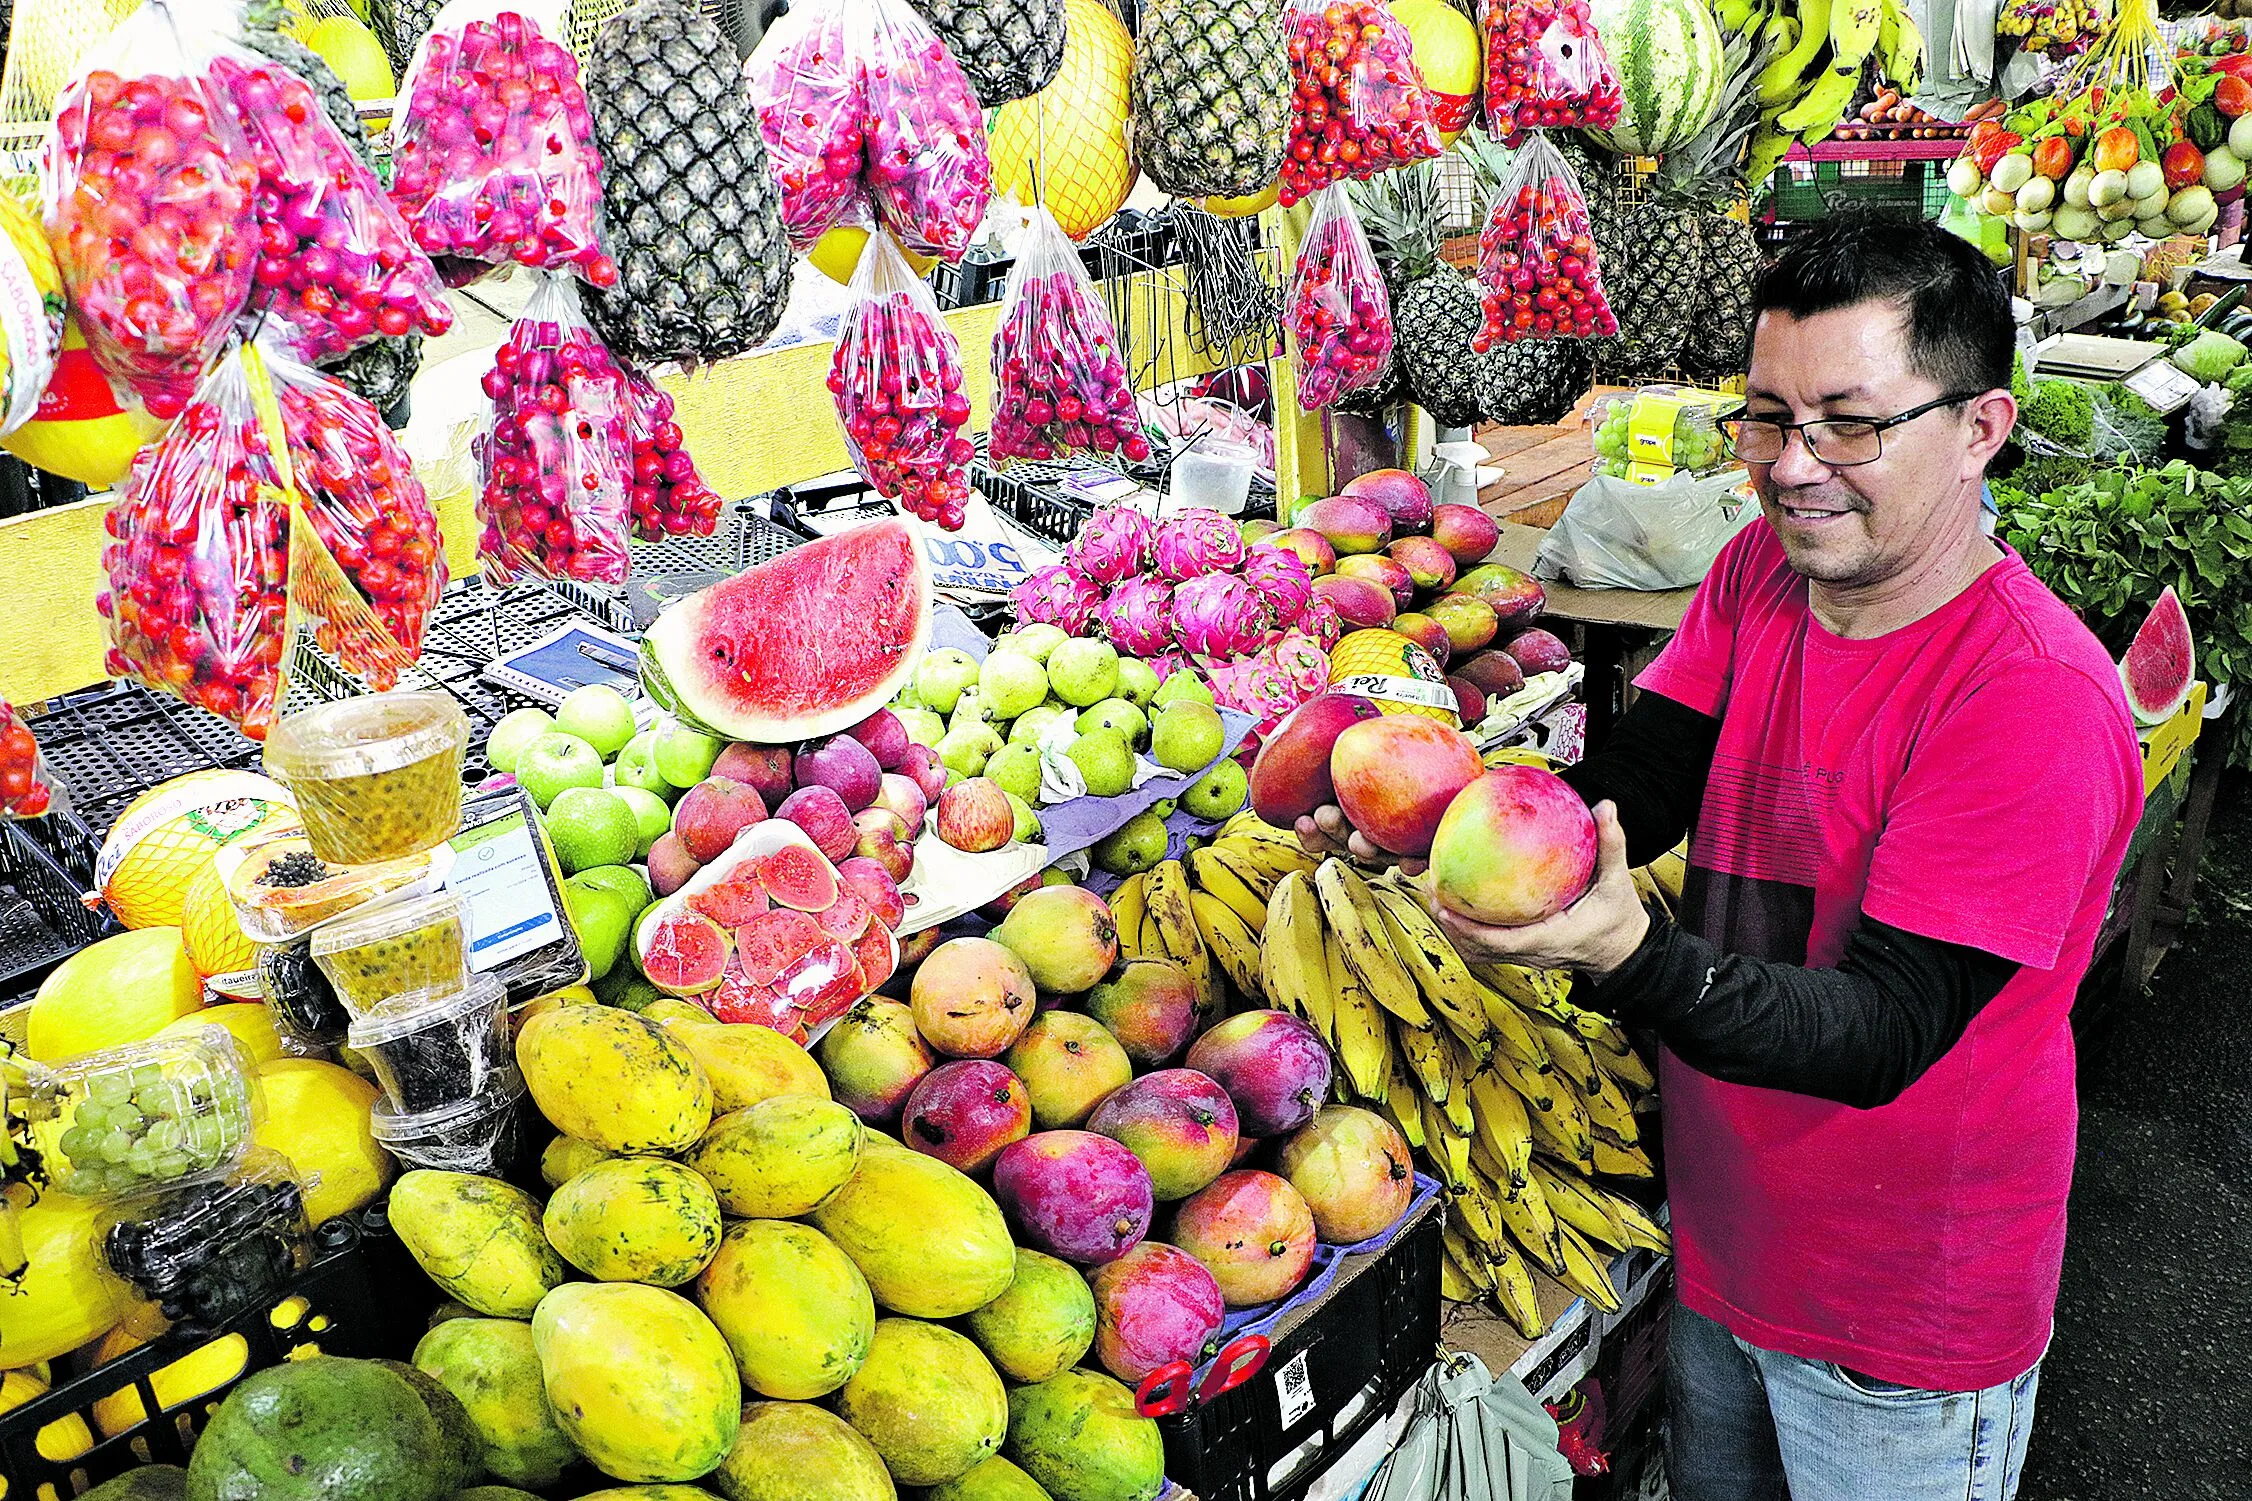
{"x": 390, "y": 949}
{"x": 377, "y": 777}
{"x": 437, "y": 1046}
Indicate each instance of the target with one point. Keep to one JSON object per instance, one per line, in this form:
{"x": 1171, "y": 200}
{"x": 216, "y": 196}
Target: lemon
{"x": 119, "y": 990}
{"x": 252, "y": 1024}
{"x": 202, "y": 1369}
{"x": 317, "y": 1117}
{"x": 66, "y": 1297}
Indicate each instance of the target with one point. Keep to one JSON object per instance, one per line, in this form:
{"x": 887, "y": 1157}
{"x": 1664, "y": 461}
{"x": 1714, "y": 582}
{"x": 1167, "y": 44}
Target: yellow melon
{"x": 66, "y": 1298}
{"x": 119, "y": 990}
{"x": 216, "y": 942}
{"x": 1246, "y": 205}
{"x": 202, "y": 1369}
{"x": 1450, "y": 58}
{"x": 81, "y": 430}
{"x": 1394, "y": 673}
{"x": 251, "y": 1023}
{"x": 356, "y": 57}
{"x": 836, "y": 254}
{"x": 169, "y": 835}
{"x": 1067, "y": 144}
{"x": 317, "y": 1117}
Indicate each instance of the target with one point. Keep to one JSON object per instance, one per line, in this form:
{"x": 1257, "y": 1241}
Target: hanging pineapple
{"x": 1211, "y": 96}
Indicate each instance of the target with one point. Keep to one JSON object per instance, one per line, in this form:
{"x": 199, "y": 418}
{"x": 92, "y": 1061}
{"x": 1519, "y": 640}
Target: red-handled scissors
{"x": 1165, "y": 1390}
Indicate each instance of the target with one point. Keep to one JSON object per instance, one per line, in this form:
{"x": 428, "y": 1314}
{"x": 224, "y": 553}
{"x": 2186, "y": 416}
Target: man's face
{"x": 1858, "y": 526}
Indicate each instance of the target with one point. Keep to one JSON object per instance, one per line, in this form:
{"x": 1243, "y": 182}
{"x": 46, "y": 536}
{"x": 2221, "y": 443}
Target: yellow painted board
{"x": 50, "y": 569}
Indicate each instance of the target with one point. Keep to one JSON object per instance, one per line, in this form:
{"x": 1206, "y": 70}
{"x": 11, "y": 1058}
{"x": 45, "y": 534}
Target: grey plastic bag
{"x": 1616, "y": 534}
{"x": 1474, "y": 1439}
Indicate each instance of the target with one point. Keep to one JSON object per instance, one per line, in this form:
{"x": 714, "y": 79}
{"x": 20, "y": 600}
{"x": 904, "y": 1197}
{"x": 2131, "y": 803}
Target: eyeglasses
{"x": 1835, "y": 442}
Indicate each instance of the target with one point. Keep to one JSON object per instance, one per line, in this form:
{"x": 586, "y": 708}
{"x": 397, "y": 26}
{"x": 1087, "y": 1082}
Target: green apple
{"x": 1186, "y": 735}
{"x": 1083, "y": 672}
{"x": 602, "y": 916}
{"x": 554, "y": 764}
{"x": 1017, "y": 769}
{"x": 636, "y": 767}
{"x": 684, "y": 756}
{"x": 1011, "y": 682}
{"x": 518, "y": 728}
{"x": 1137, "y": 681}
{"x": 592, "y": 826}
{"x": 599, "y": 715}
{"x": 650, "y": 812}
{"x": 1116, "y": 714}
{"x": 942, "y": 677}
{"x": 1106, "y": 761}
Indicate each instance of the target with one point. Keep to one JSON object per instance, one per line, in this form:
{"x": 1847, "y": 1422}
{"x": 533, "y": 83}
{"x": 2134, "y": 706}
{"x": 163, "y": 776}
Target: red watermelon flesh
{"x": 798, "y": 877}
{"x": 808, "y": 644}
{"x": 846, "y": 918}
{"x": 878, "y": 955}
{"x": 2161, "y": 663}
{"x": 686, "y": 953}
{"x": 773, "y": 941}
{"x": 733, "y": 902}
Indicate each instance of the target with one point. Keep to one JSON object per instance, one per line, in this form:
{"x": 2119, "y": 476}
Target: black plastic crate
{"x": 110, "y": 744}
{"x": 1027, "y": 494}
{"x": 45, "y": 864}
{"x": 1325, "y": 1383}
{"x": 362, "y": 1296}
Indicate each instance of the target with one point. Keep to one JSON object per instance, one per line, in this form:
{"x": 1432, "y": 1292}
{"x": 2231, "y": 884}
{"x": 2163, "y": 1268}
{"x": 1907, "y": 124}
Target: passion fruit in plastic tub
{"x": 376, "y": 777}
{"x": 390, "y": 949}
{"x": 433, "y": 1047}
{"x": 481, "y": 1134}
{"x": 149, "y": 1113}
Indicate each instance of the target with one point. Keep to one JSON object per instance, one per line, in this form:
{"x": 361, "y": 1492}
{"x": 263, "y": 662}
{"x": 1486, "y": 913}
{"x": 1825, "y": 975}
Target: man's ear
{"x": 1991, "y": 417}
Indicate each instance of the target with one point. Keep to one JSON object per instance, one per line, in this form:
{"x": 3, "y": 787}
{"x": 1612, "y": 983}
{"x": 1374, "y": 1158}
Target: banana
{"x": 1294, "y": 958}
{"x": 1515, "y": 1292}
{"x": 1614, "y": 1161}
{"x": 1672, "y": 867}
{"x": 1586, "y": 1272}
{"x": 1402, "y": 1108}
{"x": 1351, "y": 914}
{"x": 1126, "y": 908}
{"x": 1544, "y": 991}
{"x": 1609, "y": 1111}
{"x": 1503, "y": 1127}
{"x": 1779, "y": 80}
{"x": 1561, "y": 1129}
{"x": 1536, "y": 1089}
{"x": 1768, "y": 148}
{"x": 1734, "y": 15}
{"x": 1513, "y": 1030}
{"x": 1429, "y": 957}
{"x": 1233, "y": 944}
{"x": 1426, "y": 1055}
{"x": 1454, "y": 1287}
{"x": 1448, "y": 1148}
{"x": 1853, "y": 32}
{"x": 1531, "y": 1223}
{"x": 1363, "y": 1044}
{"x": 1574, "y": 1201}
{"x": 1272, "y": 852}
{"x": 1818, "y": 110}
{"x": 1459, "y": 1067}
{"x": 1623, "y": 1063}
{"x": 1211, "y": 870}
{"x": 1479, "y": 1217}
{"x": 1900, "y": 48}
{"x": 1642, "y": 1232}
{"x": 1469, "y": 1266}
{"x": 1570, "y": 1050}
{"x": 1178, "y": 938}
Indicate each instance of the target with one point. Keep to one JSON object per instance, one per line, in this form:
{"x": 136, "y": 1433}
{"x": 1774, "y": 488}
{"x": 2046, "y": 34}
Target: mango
{"x": 994, "y": 1480}
{"x": 478, "y": 1238}
{"x": 1078, "y": 1435}
{"x": 793, "y": 1308}
{"x": 639, "y": 1379}
{"x": 635, "y": 1219}
{"x": 606, "y": 1076}
{"x": 932, "y": 1405}
{"x": 1043, "y": 1324}
{"x": 931, "y": 1243}
{"x": 780, "y": 1158}
{"x": 793, "y": 1451}
{"x": 746, "y": 1063}
{"x": 490, "y": 1365}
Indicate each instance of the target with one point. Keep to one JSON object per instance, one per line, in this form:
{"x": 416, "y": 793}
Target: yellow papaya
{"x": 635, "y": 1219}
{"x": 566, "y": 1157}
{"x": 793, "y": 1308}
{"x": 794, "y": 1451}
{"x": 639, "y": 1379}
{"x": 931, "y": 1243}
{"x": 747, "y": 1063}
{"x": 491, "y": 1366}
{"x": 478, "y": 1238}
{"x": 780, "y": 1158}
{"x": 606, "y": 1076}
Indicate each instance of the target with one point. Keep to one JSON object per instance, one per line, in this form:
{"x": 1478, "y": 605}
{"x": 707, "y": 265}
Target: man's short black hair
{"x": 1960, "y": 332}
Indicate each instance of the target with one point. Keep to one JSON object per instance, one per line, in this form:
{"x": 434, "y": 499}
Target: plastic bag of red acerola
{"x": 494, "y": 157}
{"x": 897, "y": 380}
{"x": 928, "y": 170}
{"x": 1059, "y": 379}
{"x": 668, "y": 497}
{"x": 1545, "y": 68}
{"x": 1358, "y": 101}
{"x": 146, "y": 189}
{"x": 555, "y": 460}
{"x": 806, "y": 84}
{"x": 1538, "y": 277}
{"x": 1337, "y": 312}
{"x": 24, "y": 789}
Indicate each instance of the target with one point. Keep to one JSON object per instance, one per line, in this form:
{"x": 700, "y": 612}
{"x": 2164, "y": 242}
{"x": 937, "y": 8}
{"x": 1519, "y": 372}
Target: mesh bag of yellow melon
{"x": 1066, "y": 146}
{"x": 1394, "y": 673}
{"x": 169, "y": 835}
{"x": 47, "y": 40}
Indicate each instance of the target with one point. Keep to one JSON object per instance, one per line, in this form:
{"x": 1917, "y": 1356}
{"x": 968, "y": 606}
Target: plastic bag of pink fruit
{"x": 1538, "y": 275}
{"x": 26, "y": 790}
{"x": 897, "y": 379}
{"x": 805, "y": 83}
{"x": 1358, "y": 102}
{"x": 146, "y": 190}
{"x": 927, "y": 166}
{"x": 1546, "y": 67}
{"x": 337, "y": 265}
{"x": 1059, "y": 380}
{"x": 494, "y": 158}
{"x": 668, "y": 497}
{"x": 554, "y": 461}
{"x": 1336, "y": 310}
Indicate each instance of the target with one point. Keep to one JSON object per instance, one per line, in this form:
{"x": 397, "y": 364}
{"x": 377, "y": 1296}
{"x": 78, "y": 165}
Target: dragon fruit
{"x": 1281, "y": 578}
{"x": 1113, "y": 545}
{"x": 1056, "y": 596}
{"x": 1321, "y": 621}
{"x": 1139, "y": 616}
{"x": 1197, "y": 542}
{"x": 1272, "y": 682}
{"x": 1219, "y": 616}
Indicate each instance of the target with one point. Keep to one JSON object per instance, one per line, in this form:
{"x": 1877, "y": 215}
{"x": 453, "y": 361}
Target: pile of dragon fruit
{"x": 1186, "y": 584}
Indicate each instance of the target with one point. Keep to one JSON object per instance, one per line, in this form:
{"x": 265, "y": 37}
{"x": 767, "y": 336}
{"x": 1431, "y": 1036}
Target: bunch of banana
{"x": 1503, "y": 1085}
{"x": 1814, "y": 53}
{"x": 1206, "y": 913}
{"x": 21, "y": 1174}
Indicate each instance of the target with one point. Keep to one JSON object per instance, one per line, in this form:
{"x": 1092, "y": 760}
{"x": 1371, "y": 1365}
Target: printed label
{"x": 497, "y": 872}
{"x": 1396, "y": 690}
{"x": 1294, "y": 1389}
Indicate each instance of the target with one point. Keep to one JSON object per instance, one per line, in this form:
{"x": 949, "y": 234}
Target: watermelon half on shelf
{"x": 2161, "y": 663}
{"x": 807, "y": 644}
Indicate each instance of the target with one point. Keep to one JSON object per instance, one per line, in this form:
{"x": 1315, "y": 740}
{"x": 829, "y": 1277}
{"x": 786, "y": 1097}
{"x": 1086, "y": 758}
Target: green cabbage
{"x": 2209, "y": 357}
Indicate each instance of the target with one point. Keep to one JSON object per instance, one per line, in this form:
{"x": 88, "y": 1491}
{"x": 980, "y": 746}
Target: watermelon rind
{"x": 2161, "y": 663}
{"x": 832, "y": 630}
{"x": 1668, "y": 56}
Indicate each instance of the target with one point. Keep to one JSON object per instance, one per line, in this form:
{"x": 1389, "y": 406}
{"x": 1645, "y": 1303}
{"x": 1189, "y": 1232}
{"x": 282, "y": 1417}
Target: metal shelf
{"x": 1878, "y": 151}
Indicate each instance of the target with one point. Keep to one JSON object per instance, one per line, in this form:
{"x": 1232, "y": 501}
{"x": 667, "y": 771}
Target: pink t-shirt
{"x": 1974, "y": 778}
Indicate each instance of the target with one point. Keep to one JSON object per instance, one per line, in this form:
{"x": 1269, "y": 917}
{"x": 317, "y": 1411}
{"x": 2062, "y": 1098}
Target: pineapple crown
{"x": 1403, "y": 214}
{"x": 1708, "y": 168}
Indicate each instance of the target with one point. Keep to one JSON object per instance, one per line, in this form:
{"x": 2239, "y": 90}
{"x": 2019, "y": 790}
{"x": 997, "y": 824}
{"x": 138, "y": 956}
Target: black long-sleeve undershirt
{"x": 1858, "y": 1034}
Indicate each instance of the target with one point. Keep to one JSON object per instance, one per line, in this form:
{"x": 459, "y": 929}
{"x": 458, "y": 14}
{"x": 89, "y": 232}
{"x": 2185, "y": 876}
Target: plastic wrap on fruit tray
{"x": 1546, "y": 68}
{"x": 897, "y": 379}
{"x": 207, "y": 1250}
{"x": 555, "y": 458}
{"x": 1358, "y": 102}
{"x": 1658, "y": 431}
{"x": 210, "y": 559}
{"x": 337, "y": 266}
{"x": 124, "y": 1119}
{"x": 1337, "y": 311}
{"x": 494, "y": 156}
{"x": 1538, "y": 276}
{"x": 805, "y": 83}
{"x": 26, "y": 790}
{"x": 147, "y": 188}
{"x": 1059, "y": 375}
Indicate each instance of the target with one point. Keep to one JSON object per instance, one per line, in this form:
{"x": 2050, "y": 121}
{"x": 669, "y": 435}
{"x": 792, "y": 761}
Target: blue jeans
{"x": 1750, "y": 1425}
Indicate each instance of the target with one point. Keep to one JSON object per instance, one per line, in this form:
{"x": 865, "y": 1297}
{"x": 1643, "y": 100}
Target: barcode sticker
{"x": 1294, "y": 1389}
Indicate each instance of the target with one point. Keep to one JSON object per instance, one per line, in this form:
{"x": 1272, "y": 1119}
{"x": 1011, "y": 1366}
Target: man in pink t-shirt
{"x": 1912, "y": 776}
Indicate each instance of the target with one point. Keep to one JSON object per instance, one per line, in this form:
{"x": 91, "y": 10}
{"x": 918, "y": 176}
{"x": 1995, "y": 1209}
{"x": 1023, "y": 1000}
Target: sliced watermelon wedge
{"x": 2161, "y": 662}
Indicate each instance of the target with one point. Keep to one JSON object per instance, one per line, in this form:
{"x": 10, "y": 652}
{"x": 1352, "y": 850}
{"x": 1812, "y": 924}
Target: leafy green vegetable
{"x": 2126, "y": 425}
{"x": 2063, "y": 411}
{"x": 2209, "y": 357}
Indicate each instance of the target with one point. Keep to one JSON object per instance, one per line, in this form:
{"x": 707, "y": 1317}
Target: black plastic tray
{"x": 45, "y": 864}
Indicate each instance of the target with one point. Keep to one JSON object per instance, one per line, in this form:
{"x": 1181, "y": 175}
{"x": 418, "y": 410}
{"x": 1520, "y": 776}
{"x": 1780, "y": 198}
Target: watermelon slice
{"x": 807, "y": 644}
{"x": 798, "y": 877}
{"x": 2161, "y": 664}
